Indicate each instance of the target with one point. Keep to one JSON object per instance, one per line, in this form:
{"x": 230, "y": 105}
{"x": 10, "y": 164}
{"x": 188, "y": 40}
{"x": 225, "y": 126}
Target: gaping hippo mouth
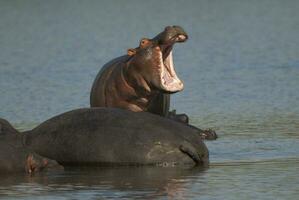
{"x": 169, "y": 82}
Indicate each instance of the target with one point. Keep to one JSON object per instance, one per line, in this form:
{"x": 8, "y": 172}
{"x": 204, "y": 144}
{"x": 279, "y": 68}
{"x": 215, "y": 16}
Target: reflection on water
{"x": 141, "y": 182}
{"x": 240, "y": 68}
{"x": 239, "y": 180}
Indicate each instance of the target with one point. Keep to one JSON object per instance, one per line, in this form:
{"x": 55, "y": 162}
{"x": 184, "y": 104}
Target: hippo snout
{"x": 181, "y": 34}
{"x": 171, "y": 34}
{"x": 181, "y": 38}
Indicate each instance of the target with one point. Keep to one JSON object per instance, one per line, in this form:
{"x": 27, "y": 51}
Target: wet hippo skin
{"x": 111, "y": 136}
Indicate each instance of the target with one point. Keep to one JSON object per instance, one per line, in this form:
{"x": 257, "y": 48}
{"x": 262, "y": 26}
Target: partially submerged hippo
{"x": 14, "y": 157}
{"x": 143, "y": 79}
{"x": 111, "y": 136}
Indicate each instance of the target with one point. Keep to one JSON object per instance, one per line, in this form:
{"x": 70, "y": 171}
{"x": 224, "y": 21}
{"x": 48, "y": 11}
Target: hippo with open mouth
{"x": 143, "y": 79}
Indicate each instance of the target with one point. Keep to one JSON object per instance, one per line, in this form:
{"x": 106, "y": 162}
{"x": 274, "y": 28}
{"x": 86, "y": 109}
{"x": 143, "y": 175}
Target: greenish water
{"x": 241, "y": 73}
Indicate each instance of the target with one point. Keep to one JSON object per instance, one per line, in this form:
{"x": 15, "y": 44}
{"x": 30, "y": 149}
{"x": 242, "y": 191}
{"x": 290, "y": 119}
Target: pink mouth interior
{"x": 169, "y": 80}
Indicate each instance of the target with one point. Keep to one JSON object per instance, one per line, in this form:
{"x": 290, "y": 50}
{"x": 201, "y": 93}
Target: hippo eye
{"x": 144, "y": 42}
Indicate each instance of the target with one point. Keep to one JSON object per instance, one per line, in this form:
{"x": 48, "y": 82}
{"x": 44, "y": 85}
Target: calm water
{"x": 241, "y": 72}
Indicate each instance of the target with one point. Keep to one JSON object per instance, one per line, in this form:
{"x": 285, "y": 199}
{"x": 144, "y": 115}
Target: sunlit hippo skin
{"x": 143, "y": 79}
{"x": 112, "y": 136}
{"x": 15, "y": 158}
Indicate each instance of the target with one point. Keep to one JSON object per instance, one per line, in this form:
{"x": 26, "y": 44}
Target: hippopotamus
{"x": 143, "y": 79}
{"x": 113, "y": 136}
{"x": 15, "y": 157}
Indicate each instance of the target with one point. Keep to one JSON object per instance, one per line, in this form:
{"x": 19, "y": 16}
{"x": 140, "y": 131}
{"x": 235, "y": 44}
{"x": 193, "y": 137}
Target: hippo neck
{"x": 143, "y": 93}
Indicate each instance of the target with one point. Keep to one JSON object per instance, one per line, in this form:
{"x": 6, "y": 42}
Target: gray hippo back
{"x": 111, "y": 136}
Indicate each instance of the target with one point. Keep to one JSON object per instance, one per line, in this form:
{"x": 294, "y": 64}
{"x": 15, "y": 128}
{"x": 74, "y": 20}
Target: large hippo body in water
{"x": 111, "y": 136}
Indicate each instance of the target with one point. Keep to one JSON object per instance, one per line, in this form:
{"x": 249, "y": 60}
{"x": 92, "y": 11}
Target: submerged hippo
{"x": 14, "y": 157}
{"x": 142, "y": 80}
{"x": 111, "y": 136}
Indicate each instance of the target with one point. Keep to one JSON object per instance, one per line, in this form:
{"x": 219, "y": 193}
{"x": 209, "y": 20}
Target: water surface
{"x": 241, "y": 73}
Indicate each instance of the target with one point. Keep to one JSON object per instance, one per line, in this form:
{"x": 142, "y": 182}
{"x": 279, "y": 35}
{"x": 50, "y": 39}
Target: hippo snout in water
{"x": 15, "y": 157}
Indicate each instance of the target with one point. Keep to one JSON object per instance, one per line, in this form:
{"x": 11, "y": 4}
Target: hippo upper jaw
{"x": 169, "y": 81}
{"x": 171, "y": 34}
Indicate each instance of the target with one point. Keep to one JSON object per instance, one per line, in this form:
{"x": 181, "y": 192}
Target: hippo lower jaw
{"x": 169, "y": 82}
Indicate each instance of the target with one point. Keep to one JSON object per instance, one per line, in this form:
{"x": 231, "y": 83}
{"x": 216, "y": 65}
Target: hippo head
{"x": 153, "y": 61}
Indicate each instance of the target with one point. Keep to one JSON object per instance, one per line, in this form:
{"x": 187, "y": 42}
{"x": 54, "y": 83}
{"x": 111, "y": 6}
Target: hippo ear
{"x": 131, "y": 52}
